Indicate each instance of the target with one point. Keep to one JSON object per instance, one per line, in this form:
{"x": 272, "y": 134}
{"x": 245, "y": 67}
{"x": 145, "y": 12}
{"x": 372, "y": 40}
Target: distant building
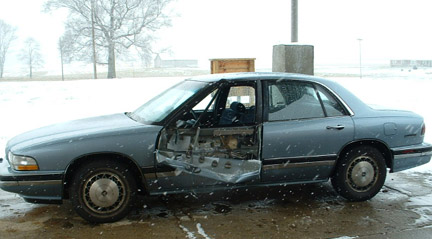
{"x": 159, "y": 63}
{"x": 411, "y": 63}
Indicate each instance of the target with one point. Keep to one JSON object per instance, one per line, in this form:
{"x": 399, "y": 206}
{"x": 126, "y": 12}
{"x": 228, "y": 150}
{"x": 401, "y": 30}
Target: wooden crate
{"x": 232, "y": 65}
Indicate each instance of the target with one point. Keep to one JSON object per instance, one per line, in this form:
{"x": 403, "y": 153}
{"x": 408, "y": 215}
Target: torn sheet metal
{"x": 221, "y": 169}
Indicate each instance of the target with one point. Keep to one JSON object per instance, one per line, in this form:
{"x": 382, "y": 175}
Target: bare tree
{"x": 7, "y": 35}
{"x": 31, "y": 55}
{"x": 65, "y": 47}
{"x": 112, "y": 25}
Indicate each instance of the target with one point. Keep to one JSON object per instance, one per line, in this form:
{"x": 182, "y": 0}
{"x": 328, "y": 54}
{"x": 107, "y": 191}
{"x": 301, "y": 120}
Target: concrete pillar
{"x": 293, "y": 58}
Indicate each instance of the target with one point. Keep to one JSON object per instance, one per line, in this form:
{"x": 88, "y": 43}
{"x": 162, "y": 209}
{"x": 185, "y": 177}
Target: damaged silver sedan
{"x": 216, "y": 132}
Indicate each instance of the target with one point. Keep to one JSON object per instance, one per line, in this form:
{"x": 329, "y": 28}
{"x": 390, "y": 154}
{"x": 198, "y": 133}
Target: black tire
{"x": 103, "y": 191}
{"x": 360, "y": 173}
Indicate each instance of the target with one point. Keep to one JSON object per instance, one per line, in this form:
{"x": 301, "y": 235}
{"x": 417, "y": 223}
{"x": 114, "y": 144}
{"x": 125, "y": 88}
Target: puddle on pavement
{"x": 222, "y": 208}
{"x": 58, "y": 222}
{"x": 163, "y": 215}
{"x": 313, "y": 210}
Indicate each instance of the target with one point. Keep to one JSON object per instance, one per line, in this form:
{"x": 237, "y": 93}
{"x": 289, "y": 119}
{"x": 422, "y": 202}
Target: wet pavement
{"x": 403, "y": 209}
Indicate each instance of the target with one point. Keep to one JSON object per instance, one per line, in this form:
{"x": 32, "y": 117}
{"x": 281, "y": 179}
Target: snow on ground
{"x": 397, "y": 90}
{"x": 28, "y": 105}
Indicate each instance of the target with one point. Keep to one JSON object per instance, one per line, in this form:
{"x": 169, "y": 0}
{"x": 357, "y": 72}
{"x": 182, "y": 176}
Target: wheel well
{"x": 80, "y": 162}
{"x": 385, "y": 151}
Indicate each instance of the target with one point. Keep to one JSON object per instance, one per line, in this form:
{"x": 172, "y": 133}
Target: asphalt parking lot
{"x": 401, "y": 210}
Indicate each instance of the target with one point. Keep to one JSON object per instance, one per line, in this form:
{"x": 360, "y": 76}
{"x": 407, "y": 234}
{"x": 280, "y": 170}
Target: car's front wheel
{"x": 103, "y": 191}
{"x": 360, "y": 173}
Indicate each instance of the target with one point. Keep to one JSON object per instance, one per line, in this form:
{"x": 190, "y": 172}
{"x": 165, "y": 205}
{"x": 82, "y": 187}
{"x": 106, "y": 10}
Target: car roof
{"x": 247, "y": 76}
{"x": 354, "y": 104}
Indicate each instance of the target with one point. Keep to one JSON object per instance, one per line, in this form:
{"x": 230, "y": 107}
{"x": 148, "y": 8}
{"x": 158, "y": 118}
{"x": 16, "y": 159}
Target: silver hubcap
{"x": 362, "y": 173}
{"x": 104, "y": 193}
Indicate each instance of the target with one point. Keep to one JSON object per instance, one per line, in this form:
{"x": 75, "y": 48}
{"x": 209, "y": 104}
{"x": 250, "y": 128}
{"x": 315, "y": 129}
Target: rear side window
{"x": 331, "y": 105}
{"x": 291, "y": 100}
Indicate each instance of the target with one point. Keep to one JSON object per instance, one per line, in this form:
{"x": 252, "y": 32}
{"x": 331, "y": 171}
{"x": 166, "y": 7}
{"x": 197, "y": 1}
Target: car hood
{"x": 73, "y": 130}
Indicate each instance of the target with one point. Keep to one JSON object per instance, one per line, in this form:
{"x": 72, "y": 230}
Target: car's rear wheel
{"x": 360, "y": 173}
{"x": 103, "y": 191}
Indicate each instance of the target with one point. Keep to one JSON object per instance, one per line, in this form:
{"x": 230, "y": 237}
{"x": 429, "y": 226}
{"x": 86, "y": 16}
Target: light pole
{"x": 294, "y": 21}
{"x": 360, "y": 56}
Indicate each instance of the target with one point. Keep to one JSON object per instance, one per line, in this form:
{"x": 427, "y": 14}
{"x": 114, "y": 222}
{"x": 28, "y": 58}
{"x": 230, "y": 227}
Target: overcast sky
{"x": 206, "y": 29}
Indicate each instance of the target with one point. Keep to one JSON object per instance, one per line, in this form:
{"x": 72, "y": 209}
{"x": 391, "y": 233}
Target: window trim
{"x": 188, "y": 105}
{"x": 266, "y": 97}
{"x": 345, "y": 111}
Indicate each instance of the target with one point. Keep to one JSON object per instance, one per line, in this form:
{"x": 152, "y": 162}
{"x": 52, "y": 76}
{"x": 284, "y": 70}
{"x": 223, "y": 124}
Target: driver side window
{"x": 239, "y": 106}
{"x": 202, "y": 105}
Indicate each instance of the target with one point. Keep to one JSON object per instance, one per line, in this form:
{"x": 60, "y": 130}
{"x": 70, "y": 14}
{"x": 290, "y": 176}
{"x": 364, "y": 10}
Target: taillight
{"x": 423, "y": 129}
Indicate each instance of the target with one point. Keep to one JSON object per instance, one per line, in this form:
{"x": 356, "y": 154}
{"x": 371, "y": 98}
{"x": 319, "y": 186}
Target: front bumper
{"x": 411, "y": 156}
{"x": 35, "y": 187}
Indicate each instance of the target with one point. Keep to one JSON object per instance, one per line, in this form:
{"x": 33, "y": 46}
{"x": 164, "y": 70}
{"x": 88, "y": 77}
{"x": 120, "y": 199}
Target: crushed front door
{"x": 228, "y": 155}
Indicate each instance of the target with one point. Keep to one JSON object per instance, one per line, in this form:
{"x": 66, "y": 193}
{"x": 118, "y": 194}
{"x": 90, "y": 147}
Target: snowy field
{"x": 28, "y": 105}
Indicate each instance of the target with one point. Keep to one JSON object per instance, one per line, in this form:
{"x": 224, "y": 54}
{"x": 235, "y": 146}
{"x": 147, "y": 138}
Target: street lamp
{"x": 360, "y": 56}
{"x": 294, "y": 20}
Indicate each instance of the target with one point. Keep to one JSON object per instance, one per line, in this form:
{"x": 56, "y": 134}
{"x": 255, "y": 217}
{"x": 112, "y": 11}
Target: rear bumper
{"x": 411, "y": 156}
{"x": 32, "y": 187}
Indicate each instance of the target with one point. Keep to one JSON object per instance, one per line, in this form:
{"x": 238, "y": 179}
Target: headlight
{"x": 22, "y": 163}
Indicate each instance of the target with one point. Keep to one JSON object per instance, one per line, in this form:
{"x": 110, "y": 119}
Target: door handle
{"x": 337, "y": 127}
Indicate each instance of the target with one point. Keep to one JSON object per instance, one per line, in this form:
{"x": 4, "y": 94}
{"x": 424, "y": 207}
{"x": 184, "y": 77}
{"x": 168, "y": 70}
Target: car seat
{"x": 233, "y": 114}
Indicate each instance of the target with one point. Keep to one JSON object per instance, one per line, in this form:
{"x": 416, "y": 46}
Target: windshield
{"x": 162, "y": 105}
